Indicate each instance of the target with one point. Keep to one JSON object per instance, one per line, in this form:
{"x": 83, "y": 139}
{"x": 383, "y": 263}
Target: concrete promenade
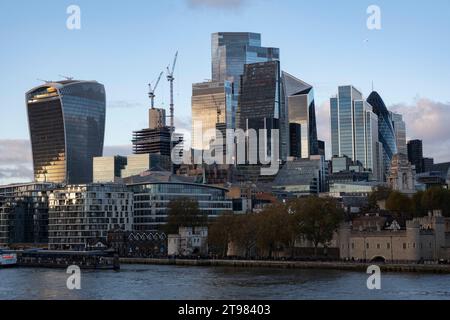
{"x": 345, "y": 266}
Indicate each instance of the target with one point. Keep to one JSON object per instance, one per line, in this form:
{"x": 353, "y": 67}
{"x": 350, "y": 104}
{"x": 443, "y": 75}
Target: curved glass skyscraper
{"x": 67, "y": 128}
{"x": 386, "y": 133}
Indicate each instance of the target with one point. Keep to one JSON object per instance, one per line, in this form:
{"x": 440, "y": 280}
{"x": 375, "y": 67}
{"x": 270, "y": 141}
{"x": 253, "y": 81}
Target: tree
{"x": 381, "y": 193}
{"x": 436, "y": 199}
{"x": 221, "y": 233}
{"x": 184, "y": 213}
{"x": 399, "y": 204}
{"x": 417, "y": 205}
{"x": 274, "y": 229}
{"x": 317, "y": 219}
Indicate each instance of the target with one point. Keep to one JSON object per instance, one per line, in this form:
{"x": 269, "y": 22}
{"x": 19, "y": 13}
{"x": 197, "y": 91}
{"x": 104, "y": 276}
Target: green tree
{"x": 184, "y": 213}
{"x": 437, "y": 199}
{"x": 317, "y": 219}
{"x": 379, "y": 194}
{"x": 417, "y": 205}
{"x": 399, "y": 204}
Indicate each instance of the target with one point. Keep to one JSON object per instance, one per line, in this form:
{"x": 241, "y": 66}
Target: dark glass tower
{"x": 415, "y": 154}
{"x": 259, "y": 102}
{"x": 67, "y": 128}
{"x": 300, "y": 109}
{"x": 386, "y": 132}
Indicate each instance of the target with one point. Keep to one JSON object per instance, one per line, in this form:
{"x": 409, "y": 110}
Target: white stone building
{"x": 188, "y": 241}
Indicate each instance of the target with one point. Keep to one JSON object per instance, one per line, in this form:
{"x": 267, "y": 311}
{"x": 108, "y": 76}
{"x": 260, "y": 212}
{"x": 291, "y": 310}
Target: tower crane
{"x": 171, "y": 78}
{"x": 152, "y": 89}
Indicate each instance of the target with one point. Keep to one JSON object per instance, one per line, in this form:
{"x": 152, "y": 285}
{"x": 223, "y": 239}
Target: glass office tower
{"x": 400, "y": 133}
{"x": 386, "y": 131}
{"x": 300, "y": 109}
{"x": 211, "y": 107}
{"x": 354, "y": 129}
{"x": 230, "y": 52}
{"x": 260, "y": 100}
{"x": 67, "y": 128}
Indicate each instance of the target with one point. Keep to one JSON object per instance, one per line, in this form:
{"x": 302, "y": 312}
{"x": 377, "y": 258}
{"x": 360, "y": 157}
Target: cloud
{"x": 217, "y": 4}
{"x": 15, "y": 161}
{"x": 123, "y": 104}
{"x": 429, "y": 121}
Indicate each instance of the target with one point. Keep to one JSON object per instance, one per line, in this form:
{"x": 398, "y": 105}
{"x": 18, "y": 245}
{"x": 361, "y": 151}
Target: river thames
{"x": 149, "y": 282}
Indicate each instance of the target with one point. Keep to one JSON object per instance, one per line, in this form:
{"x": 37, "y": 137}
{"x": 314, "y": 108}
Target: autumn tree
{"x": 274, "y": 229}
{"x": 317, "y": 219}
{"x": 379, "y": 194}
{"x": 184, "y": 213}
{"x": 221, "y": 232}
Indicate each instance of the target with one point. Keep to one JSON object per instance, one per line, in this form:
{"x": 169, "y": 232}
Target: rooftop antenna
{"x": 65, "y": 77}
{"x": 171, "y": 79}
{"x": 152, "y": 89}
{"x": 46, "y": 81}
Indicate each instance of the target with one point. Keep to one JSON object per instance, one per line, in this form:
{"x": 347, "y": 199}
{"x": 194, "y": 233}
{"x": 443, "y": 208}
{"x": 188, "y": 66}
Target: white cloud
{"x": 429, "y": 121}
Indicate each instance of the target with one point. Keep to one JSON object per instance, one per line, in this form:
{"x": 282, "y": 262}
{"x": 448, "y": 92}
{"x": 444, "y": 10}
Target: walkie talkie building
{"x": 67, "y": 128}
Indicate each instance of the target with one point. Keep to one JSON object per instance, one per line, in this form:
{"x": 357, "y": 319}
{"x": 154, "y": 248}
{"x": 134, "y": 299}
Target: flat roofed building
{"x": 108, "y": 169}
{"x": 81, "y": 215}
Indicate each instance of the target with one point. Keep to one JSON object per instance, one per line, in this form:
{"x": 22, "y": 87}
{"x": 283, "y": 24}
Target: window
{"x": 389, "y": 246}
{"x": 404, "y": 246}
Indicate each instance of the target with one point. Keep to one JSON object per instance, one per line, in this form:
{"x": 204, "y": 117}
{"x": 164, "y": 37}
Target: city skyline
{"x": 126, "y": 91}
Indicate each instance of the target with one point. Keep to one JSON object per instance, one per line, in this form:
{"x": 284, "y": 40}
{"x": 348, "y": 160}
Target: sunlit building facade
{"x": 211, "y": 111}
{"x": 67, "y": 128}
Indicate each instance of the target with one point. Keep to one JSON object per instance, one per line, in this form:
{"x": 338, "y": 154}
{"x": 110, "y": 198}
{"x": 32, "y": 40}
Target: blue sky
{"x": 125, "y": 44}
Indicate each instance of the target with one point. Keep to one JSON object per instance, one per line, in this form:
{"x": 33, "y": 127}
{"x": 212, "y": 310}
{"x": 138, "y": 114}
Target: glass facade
{"x": 230, "y": 52}
{"x": 24, "y": 213}
{"x": 151, "y": 202}
{"x": 354, "y": 129}
{"x": 386, "y": 131}
{"x": 260, "y": 99}
{"x": 211, "y": 108}
{"x": 67, "y": 127}
{"x": 400, "y": 133}
{"x": 300, "y": 109}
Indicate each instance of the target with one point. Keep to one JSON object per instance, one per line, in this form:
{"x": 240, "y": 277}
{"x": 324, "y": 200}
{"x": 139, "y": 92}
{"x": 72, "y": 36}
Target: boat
{"x": 7, "y": 259}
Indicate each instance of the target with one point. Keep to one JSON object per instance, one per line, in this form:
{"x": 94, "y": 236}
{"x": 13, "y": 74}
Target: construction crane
{"x": 152, "y": 89}
{"x": 66, "y": 77}
{"x": 171, "y": 79}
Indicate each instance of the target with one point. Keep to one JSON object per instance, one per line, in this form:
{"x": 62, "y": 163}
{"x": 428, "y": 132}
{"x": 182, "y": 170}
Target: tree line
{"x": 275, "y": 229}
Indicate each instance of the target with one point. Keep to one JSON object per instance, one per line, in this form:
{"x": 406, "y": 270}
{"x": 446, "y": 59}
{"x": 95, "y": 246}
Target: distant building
{"x": 212, "y": 107}
{"x": 422, "y": 239}
{"x": 402, "y": 176}
{"x": 386, "y": 132}
{"x": 139, "y": 163}
{"x": 400, "y": 132}
{"x": 301, "y": 177}
{"x": 354, "y": 130}
{"x": 81, "y": 215}
{"x": 108, "y": 169}
{"x": 137, "y": 244}
{"x": 156, "y": 118}
{"x": 259, "y": 111}
{"x": 188, "y": 242}
{"x": 427, "y": 164}
{"x": 67, "y": 128}
{"x": 301, "y": 117}
{"x": 322, "y": 149}
{"x": 415, "y": 154}
{"x": 153, "y": 193}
